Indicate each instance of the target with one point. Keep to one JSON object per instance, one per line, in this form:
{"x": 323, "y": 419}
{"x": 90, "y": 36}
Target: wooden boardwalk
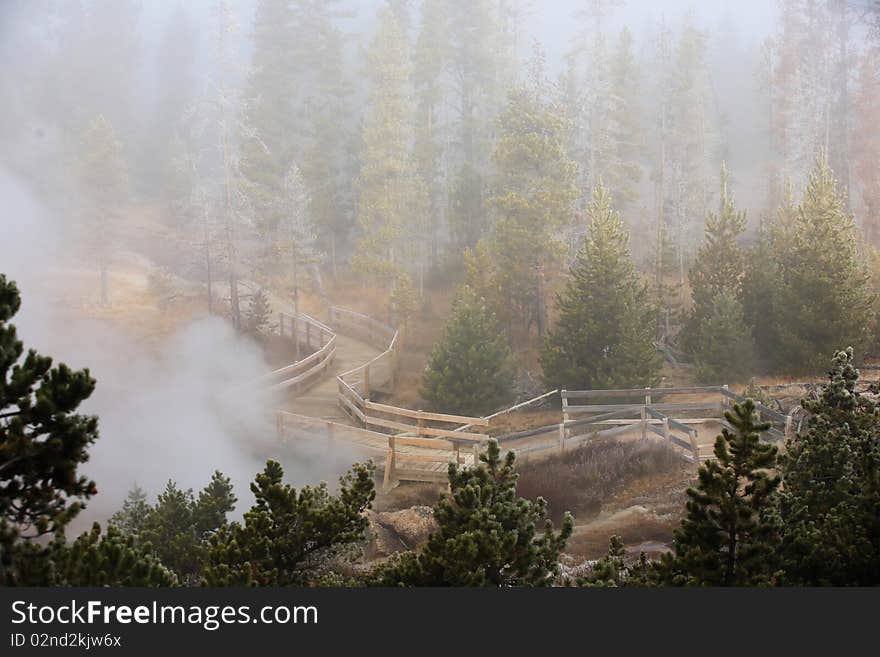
{"x": 321, "y": 400}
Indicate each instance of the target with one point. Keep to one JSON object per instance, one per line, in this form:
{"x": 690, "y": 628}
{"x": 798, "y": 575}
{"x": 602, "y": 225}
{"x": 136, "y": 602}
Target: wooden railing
{"x": 420, "y": 444}
{"x": 308, "y": 332}
{"x": 408, "y": 427}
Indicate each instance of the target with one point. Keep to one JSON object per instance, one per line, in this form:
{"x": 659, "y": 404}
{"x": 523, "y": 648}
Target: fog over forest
{"x": 165, "y": 163}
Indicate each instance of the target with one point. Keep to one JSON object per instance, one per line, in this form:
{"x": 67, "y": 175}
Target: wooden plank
{"x": 354, "y": 409}
{"x": 599, "y": 408}
{"x": 424, "y": 415}
{"x": 679, "y": 406}
{"x": 425, "y": 442}
{"x": 428, "y": 431}
{"x": 403, "y": 457}
{"x": 420, "y": 475}
{"x": 640, "y": 392}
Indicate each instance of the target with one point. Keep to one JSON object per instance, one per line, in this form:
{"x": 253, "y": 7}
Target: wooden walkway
{"x": 315, "y": 413}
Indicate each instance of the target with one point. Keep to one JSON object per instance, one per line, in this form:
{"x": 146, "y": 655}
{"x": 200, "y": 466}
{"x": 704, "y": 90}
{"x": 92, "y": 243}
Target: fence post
{"x": 695, "y": 447}
{"x": 293, "y": 328}
{"x": 666, "y": 427}
{"x": 725, "y": 400}
{"x": 647, "y": 395}
{"x": 644, "y": 422}
{"x": 367, "y": 381}
{"x": 788, "y": 420}
{"x": 564, "y": 395}
{"x": 308, "y": 336}
{"x": 389, "y": 464}
{"x": 421, "y": 423}
{"x": 562, "y": 436}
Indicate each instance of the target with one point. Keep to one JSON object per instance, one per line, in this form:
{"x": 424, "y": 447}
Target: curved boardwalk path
{"x": 320, "y": 402}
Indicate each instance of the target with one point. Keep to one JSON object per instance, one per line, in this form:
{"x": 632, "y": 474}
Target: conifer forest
{"x": 476, "y": 293}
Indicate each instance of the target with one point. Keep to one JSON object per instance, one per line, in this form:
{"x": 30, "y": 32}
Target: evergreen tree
{"x": 429, "y": 62}
{"x": 487, "y": 536}
{"x": 475, "y": 62}
{"x": 603, "y": 338}
{"x": 297, "y": 235}
{"x": 729, "y": 536}
{"x": 866, "y": 142}
{"x": 105, "y": 181}
{"x": 266, "y": 143}
{"x": 760, "y": 292}
{"x": 725, "y": 352}
{"x": 170, "y": 531}
{"x": 43, "y": 441}
{"x": 831, "y": 496}
{"x": 111, "y": 559}
{"x": 624, "y": 171}
{"x": 131, "y": 519}
{"x": 214, "y": 502}
{"x": 176, "y": 59}
{"x": 287, "y": 537}
{"x": 259, "y": 312}
{"x": 179, "y": 526}
{"x": 391, "y": 197}
{"x": 716, "y": 333}
{"x": 612, "y": 570}
{"x": 532, "y": 201}
{"x": 325, "y": 113}
{"x": 827, "y": 302}
{"x": 469, "y": 370}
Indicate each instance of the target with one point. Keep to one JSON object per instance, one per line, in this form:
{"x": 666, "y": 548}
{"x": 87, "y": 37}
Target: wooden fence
{"x": 308, "y": 332}
{"x": 419, "y": 445}
{"x": 438, "y": 436}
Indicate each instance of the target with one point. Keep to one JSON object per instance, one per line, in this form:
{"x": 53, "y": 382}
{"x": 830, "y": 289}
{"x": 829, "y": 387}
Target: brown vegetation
{"x": 582, "y": 480}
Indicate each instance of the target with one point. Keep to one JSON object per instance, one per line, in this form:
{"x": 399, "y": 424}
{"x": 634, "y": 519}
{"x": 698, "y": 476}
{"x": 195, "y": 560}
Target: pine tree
{"x": 266, "y": 144}
{"x": 43, "y": 441}
{"x": 724, "y": 351}
{"x": 469, "y": 370}
{"x": 828, "y": 302}
{"x": 487, "y": 536}
{"x": 831, "y": 496}
{"x": 716, "y": 334}
{"x": 105, "y": 181}
{"x": 297, "y": 235}
{"x": 259, "y": 312}
{"x": 624, "y": 172}
{"x": 177, "y": 529}
{"x": 391, "y": 196}
{"x": 176, "y": 60}
{"x": 325, "y": 112}
{"x": 760, "y": 294}
{"x": 614, "y": 570}
{"x": 866, "y": 142}
{"x": 131, "y": 518}
{"x": 288, "y": 537}
{"x": 474, "y": 63}
{"x": 729, "y": 536}
{"x": 429, "y": 62}
{"x": 111, "y": 559}
{"x": 532, "y": 200}
{"x": 691, "y": 139}
{"x": 214, "y": 502}
{"x": 603, "y": 338}
{"x": 170, "y": 532}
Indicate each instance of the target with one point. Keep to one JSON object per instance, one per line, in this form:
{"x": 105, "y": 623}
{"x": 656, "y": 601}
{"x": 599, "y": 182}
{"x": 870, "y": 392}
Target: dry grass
{"x": 407, "y": 495}
{"x": 583, "y": 479}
